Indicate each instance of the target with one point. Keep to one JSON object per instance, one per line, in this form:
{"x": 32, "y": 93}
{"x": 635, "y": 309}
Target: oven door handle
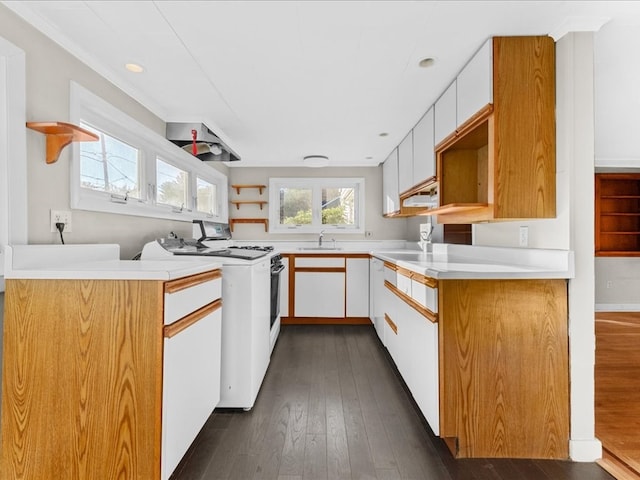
{"x": 276, "y": 270}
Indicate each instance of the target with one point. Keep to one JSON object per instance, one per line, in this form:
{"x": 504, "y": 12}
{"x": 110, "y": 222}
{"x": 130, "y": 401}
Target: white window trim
{"x": 88, "y": 107}
{"x": 315, "y": 184}
{"x": 13, "y": 146}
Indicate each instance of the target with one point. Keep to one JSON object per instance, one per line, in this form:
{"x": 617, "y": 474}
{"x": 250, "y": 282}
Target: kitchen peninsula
{"x": 111, "y": 367}
{"x": 480, "y": 337}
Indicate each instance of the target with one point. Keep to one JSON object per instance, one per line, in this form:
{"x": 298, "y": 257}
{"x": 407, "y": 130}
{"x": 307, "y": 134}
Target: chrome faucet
{"x": 320, "y": 238}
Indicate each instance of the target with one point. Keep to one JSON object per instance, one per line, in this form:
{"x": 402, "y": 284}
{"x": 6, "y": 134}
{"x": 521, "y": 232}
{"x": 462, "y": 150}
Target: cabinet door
{"x": 422, "y": 377}
{"x": 319, "y": 294}
{"x": 445, "y": 114}
{"x": 475, "y": 84}
{"x": 191, "y": 386}
{"x": 424, "y": 157}
{"x": 405, "y": 163}
{"x": 390, "y": 195}
{"x": 377, "y": 295}
{"x": 357, "y": 293}
{"x": 284, "y": 288}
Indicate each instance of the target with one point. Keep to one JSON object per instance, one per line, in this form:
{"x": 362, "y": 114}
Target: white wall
{"x": 49, "y": 72}
{"x": 617, "y": 147}
{"x": 381, "y": 228}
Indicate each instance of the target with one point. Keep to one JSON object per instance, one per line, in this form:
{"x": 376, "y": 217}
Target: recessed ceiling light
{"x": 426, "y": 62}
{"x": 134, "y": 67}
{"x": 383, "y": 134}
{"x": 315, "y": 161}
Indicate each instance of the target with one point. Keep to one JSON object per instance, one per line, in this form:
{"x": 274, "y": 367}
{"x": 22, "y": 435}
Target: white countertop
{"x": 95, "y": 262}
{"x": 473, "y": 262}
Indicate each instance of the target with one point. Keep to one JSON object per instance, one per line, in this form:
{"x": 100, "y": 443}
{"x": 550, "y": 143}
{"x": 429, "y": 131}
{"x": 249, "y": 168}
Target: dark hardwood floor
{"x": 333, "y": 407}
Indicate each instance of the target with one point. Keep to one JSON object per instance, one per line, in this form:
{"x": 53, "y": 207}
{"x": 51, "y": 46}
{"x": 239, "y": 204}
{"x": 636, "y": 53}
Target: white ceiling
{"x": 278, "y": 80}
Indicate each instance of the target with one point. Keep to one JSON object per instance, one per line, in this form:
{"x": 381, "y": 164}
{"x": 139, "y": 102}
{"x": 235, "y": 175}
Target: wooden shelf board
{"x": 233, "y": 221}
{"x": 457, "y": 208}
{"x": 237, "y": 203}
{"x": 240, "y": 187}
{"x": 59, "y": 135}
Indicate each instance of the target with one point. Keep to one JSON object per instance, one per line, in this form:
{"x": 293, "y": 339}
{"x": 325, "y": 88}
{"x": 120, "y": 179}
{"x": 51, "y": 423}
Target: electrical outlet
{"x": 609, "y": 284}
{"x": 524, "y": 236}
{"x": 61, "y": 216}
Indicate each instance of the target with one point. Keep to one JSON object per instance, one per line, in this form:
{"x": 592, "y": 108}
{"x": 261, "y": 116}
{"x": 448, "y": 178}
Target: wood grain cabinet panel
{"x": 500, "y": 163}
{"x": 82, "y": 380}
{"x": 504, "y": 381}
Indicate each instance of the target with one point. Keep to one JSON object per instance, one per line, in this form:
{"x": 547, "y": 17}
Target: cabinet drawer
{"x": 319, "y": 262}
{"x": 403, "y": 282}
{"x": 425, "y": 295}
{"x": 185, "y": 295}
{"x": 391, "y": 276}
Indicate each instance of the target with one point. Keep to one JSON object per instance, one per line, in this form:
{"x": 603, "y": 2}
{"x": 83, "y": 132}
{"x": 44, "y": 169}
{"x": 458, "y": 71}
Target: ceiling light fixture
{"x": 426, "y": 62}
{"x": 134, "y": 67}
{"x": 315, "y": 161}
{"x": 383, "y": 134}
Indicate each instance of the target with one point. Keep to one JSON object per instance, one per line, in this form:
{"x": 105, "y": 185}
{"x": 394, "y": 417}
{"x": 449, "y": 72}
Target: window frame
{"x": 88, "y": 108}
{"x": 316, "y": 184}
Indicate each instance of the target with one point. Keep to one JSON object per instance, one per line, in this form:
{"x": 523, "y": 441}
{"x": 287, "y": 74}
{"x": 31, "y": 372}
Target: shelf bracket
{"x": 59, "y": 135}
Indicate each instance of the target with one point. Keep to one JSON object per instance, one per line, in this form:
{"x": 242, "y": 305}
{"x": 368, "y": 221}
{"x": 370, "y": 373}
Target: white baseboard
{"x": 585, "y": 450}
{"x": 617, "y": 307}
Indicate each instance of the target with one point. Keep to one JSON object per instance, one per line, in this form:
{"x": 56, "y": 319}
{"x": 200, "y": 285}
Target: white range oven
{"x": 249, "y": 328}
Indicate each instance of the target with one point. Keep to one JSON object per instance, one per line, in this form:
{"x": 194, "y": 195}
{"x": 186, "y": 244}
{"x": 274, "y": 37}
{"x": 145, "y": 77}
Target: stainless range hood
{"x": 208, "y": 146}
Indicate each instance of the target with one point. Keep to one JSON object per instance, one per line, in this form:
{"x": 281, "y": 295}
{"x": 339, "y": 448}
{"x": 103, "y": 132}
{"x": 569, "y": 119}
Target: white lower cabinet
{"x": 319, "y": 294}
{"x": 284, "y": 288}
{"x": 412, "y": 340}
{"x": 357, "y": 294}
{"x": 191, "y": 386}
{"x": 377, "y": 296}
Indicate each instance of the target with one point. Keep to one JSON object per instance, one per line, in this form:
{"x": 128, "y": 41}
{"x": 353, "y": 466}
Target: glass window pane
{"x": 295, "y": 206}
{"x": 109, "y": 165}
{"x": 206, "y": 197}
{"x": 338, "y": 206}
{"x": 172, "y": 184}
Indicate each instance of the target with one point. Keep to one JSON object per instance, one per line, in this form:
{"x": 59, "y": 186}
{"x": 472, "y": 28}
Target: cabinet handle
{"x": 187, "y": 282}
{"x": 393, "y": 326}
{"x": 185, "y": 322}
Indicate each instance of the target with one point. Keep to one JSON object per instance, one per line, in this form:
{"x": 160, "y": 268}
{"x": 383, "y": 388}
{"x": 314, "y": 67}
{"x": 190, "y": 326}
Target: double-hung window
{"x": 132, "y": 170}
{"x": 312, "y": 205}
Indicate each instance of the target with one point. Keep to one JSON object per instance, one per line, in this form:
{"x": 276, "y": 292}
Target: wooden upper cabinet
{"x": 500, "y": 162}
{"x": 617, "y": 214}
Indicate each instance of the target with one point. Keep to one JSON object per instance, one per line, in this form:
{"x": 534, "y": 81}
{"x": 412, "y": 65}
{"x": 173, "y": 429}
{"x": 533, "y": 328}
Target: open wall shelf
{"x": 617, "y": 213}
{"x": 59, "y": 135}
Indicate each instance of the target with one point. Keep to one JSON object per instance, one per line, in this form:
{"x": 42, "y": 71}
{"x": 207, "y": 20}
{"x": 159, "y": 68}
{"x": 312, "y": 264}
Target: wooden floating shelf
{"x": 240, "y": 187}
{"x": 59, "y": 135}
{"x": 237, "y": 203}
{"x": 233, "y": 221}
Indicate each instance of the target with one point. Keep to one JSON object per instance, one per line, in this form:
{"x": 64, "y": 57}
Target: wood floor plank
{"x": 315, "y": 458}
{"x": 332, "y": 406}
{"x": 617, "y": 386}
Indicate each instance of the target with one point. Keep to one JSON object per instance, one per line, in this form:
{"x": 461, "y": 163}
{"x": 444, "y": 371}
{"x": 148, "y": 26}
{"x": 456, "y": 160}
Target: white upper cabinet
{"x": 424, "y": 159}
{"x": 475, "y": 84}
{"x": 390, "y": 195}
{"x": 405, "y": 163}
{"x": 445, "y": 114}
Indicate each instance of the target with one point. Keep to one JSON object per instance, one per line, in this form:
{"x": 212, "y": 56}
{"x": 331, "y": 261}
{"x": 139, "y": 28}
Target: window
{"x": 109, "y": 165}
{"x": 314, "y": 204}
{"x": 172, "y": 184}
{"x": 205, "y": 197}
{"x": 132, "y": 170}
